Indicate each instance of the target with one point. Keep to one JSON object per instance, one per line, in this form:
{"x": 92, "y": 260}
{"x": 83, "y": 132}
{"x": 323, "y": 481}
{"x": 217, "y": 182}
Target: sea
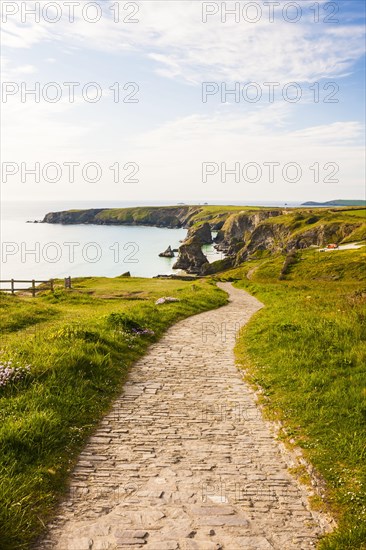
{"x": 43, "y": 251}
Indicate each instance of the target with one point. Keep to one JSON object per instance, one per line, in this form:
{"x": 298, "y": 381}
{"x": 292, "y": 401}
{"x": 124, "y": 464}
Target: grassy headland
{"x": 78, "y": 345}
{"x": 242, "y": 230}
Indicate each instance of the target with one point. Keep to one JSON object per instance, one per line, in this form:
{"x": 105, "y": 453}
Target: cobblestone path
{"x": 185, "y": 460}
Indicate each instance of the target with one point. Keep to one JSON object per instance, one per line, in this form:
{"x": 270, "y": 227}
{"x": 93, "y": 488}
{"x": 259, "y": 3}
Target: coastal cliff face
{"x": 241, "y": 232}
{"x": 191, "y": 258}
{"x": 202, "y": 233}
{"x": 72, "y": 216}
{"x": 284, "y": 236}
{"x": 239, "y": 227}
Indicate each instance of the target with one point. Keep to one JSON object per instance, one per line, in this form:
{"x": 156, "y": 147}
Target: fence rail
{"x": 32, "y": 282}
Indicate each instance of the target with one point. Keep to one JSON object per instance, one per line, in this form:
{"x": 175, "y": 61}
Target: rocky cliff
{"x": 238, "y": 229}
{"x": 201, "y": 232}
{"x": 242, "y": 232}
{"x": 296, "y": 231}
{"x": 191, "y": 258}
{"x": 73, "y": 216}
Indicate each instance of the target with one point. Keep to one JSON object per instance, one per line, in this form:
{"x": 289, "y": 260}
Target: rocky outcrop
{"x": 202, "y": 233}
{"x": 191, "y": 258}
{"x": 238, "y": 229}
{"x": 280, "y": 237}
{"x": 266, "y": 236}
{"x": 167, "y": 254}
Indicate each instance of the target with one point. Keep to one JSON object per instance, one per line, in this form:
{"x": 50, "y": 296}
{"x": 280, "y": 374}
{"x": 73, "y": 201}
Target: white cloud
{"x": 337, "y": 133}
{"x": 173, "y": 34}
{"x": 26, "y": 69}
{"x": 173, "y": 155}
{"x": 12, "y": 72}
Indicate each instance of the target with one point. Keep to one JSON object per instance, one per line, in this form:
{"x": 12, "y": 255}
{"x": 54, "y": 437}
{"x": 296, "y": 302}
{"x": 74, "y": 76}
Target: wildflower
{"x": 10, "y": 373}
{"x": 143, "y": 331}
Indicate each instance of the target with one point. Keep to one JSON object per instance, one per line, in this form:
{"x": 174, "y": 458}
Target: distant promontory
{"x": 337, "y": 202}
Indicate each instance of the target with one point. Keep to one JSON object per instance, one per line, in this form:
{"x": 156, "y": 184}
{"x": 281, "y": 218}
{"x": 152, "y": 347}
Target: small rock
{"x": 167, "y": 254}
{"x": 165, "y": 299}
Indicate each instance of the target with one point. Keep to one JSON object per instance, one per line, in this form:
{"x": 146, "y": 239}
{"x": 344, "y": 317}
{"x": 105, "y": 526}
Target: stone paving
{"x": 184, "y": 461}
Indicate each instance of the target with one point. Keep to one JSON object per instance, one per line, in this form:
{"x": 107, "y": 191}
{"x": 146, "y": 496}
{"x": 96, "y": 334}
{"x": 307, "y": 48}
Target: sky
{"x": 180, "y": 100}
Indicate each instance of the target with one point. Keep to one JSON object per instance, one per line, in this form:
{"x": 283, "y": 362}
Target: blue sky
{"x": 170, "y": 132}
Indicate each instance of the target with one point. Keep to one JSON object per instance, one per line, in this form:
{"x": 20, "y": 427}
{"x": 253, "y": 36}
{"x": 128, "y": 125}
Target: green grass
{"x": 300, "y": 221}
{"x": 307, "y": 351}
{"x": 79, "y": 356}
{"x": 361, "y": 213}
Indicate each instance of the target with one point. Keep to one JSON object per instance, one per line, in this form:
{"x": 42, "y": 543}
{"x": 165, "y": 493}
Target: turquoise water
{"x": 43, "y": 251}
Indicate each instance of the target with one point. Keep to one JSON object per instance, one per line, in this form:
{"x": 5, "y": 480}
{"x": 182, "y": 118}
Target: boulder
{"x": 166, "y": 299}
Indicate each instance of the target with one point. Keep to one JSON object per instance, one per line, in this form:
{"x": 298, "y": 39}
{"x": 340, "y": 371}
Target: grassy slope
{"x": 298, "y": 220}
{"x": 307, "y": 350}
{"x": 79, "y": 361}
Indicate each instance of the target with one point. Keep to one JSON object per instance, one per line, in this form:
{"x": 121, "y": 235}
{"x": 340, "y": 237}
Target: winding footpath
{"x": 184, "y": 461}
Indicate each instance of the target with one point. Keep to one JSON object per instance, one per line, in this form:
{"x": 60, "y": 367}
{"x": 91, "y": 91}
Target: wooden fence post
{"x": 12, "y": 286}
{"x": 33, "y": 288}
{"x": 51, "y": 284}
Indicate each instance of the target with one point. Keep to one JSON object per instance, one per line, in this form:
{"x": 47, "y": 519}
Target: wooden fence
{"x": 32, "y": 288}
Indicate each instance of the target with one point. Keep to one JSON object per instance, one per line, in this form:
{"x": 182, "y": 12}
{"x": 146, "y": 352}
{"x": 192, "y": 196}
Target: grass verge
{"x": 307, "y": 351}
{"x": 78, "y": 345}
